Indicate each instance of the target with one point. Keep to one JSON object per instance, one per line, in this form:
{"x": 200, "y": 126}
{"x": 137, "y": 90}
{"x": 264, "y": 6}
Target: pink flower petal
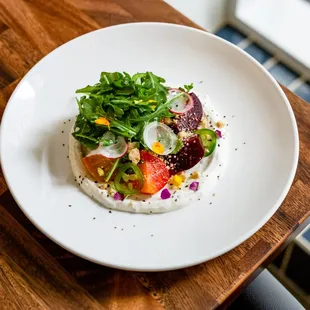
{"x": 118, "y": 196}
{"x": 218, "y": 133}
{"x": 165, "y": 194}
{"x": 194, "y": 186}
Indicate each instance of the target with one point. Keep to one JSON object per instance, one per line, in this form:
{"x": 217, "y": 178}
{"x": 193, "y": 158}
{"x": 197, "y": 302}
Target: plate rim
{"x": 199, "y": 260}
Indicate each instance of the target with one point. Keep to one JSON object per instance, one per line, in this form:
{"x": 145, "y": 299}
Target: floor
{"x": 282, "y": 73}
{"x": 292, "y": 266}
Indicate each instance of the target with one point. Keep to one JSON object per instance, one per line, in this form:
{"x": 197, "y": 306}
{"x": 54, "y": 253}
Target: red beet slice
{"x": 190, "y": 120}
{"x": 189, "y": 155}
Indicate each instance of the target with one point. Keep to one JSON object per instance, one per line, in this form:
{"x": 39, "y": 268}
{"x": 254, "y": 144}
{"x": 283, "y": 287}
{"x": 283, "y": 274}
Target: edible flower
{"x": 102, "y": 121}
{"x": 218, "y": 133}
{"x": 194, "y": 186}
{"x": 177, "y": 180}
{"x": 158, "y": 148}
{"x": 118, "y": 196}
{"x": 165, "y": 194}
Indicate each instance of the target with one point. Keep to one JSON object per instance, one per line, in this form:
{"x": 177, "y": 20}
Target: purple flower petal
{"x": 118, "y": 196}
{"x": 218, "y": 133}
{"x": 194, "y": 186}
{"x": 165, "y": 194}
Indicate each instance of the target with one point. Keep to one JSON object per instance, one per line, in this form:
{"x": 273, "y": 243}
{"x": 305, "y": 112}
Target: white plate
{"x": 256, "y": 179}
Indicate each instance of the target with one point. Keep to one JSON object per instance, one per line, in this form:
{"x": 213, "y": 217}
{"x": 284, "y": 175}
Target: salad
{"x": 138, "y": 136}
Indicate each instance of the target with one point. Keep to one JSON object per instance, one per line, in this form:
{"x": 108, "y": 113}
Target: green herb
{"x": 111, "y": 171}
{"x": 187, "y": 88}
{"x": 178, "y": 147}
{"x": 127, "y": 102}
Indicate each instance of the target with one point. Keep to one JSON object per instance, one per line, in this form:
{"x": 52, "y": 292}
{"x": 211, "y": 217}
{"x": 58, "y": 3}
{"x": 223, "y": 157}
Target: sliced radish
{"x": 182, "y": 104}
{"x": 116, "y": 150}
{"x": 159, "y": 138}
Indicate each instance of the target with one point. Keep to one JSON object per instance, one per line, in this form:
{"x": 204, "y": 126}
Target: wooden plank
{"x": 34, "y": 271}
{"x": 30, "y": 277}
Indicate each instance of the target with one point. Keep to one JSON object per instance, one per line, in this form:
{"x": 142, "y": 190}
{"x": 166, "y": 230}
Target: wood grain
{"x": 35, "y": 273}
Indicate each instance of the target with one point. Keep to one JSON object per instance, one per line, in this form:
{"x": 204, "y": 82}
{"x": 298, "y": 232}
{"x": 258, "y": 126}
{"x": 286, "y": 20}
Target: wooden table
{"x": 35, "y": 273}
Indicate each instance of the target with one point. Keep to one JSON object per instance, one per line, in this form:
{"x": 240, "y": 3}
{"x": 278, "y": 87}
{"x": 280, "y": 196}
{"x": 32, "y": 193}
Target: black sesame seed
{"x": 63, "y": 145}
{"x": 210, "y": 203}
{"x": 68, "y": 156}
{"x": 62, "y": 131}
{"x": 70, "y": 206}
{"x": 143, "y": 200}
{"x": 114, "y": 227}
{"x": 218, "y": 145}
{"x": 110, "y": 211}
{"x": 224, "y": 116}
{"x": 176, "y": 200}
{"x": 122, "y": 228}
{"x": 151, "y": 235}
{"x": 236, "y": 149}
{"x": 96, "y": 182}
{"x": 134, "y": 225}
{"x": 94, "y": 218}
{"x": 243, "y": 142}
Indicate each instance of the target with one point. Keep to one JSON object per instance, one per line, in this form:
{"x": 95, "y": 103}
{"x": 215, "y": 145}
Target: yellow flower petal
{"x": 158, "y": 148}
{"x": 177, "y": 180}
{"x": 102, "y": 121}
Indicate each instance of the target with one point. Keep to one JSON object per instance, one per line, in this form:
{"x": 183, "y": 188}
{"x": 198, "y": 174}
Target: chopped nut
{"x": 220, "y": 124}
{"x": 182, "y": 134}
{"x": 134, "y": 155}
{"x": 103, "y": 186}
{"x": 195, "y": 175}
{"x": 203, "y": 122}
{"x": 167, "y": 121}
{"x": 132, "y": 145}
{"x": 111, "y": 191}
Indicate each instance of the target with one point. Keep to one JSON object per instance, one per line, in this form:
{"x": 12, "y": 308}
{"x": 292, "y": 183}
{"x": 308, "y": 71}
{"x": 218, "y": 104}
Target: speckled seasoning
{"x": 177, "y": 198}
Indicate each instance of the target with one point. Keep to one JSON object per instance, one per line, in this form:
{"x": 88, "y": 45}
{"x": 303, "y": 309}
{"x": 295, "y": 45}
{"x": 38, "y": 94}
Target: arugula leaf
{"x": 187, "y": 88}
{"x": 127, "y": 102}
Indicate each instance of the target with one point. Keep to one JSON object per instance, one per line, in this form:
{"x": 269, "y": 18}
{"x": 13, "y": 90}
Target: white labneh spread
{"x": 209, "y": 170}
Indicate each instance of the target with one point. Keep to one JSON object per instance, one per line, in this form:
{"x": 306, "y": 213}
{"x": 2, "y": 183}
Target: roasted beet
{"x": 189, "y": 155}
{"x": 189, "y": 120}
